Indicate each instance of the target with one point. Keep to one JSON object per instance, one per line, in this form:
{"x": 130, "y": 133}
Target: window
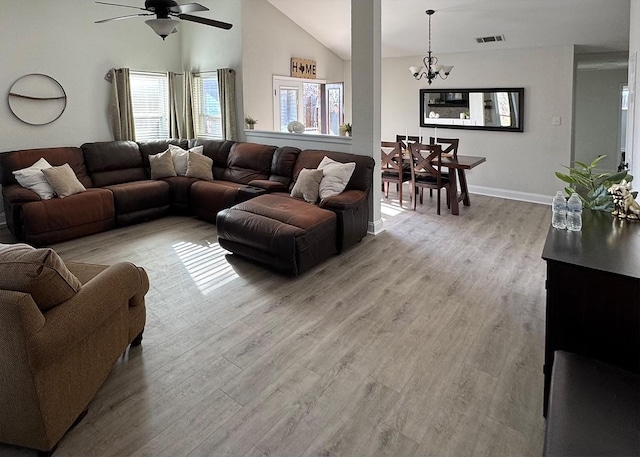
{"x": 150, "y": 100}
{"x": 319, "y": 106}
{"x": 206, "y": 101}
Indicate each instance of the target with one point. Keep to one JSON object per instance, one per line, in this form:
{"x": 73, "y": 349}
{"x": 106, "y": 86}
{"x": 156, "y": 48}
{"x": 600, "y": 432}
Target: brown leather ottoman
{"x": 288, "y": 234}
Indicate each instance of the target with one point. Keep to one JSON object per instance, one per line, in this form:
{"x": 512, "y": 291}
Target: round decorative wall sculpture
{"x": 37, "y": 99}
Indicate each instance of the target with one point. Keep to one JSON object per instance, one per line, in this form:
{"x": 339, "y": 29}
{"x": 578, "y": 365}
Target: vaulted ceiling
{"x": 592, "y": 25}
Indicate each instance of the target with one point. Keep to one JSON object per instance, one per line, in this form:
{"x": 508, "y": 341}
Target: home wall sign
{"x": 37, "y": 99}
{"x": 303, "y": 68}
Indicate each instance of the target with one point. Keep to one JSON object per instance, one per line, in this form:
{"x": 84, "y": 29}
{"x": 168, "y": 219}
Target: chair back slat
{"x": 391, "y": 160}
{"x": 423, "y": 156}
{"x": 449, "y": 145}
{"x": 403, "y": 139}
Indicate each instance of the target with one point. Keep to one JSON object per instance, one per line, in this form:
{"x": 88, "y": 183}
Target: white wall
{"x": 597, "y": 116}
{"x": 633, "y": 131}
{"x": 269, "y": 40}
{"x": 519, "y": 165}
{"x": 62, "y": 41}
{"x": 209, "y": 48}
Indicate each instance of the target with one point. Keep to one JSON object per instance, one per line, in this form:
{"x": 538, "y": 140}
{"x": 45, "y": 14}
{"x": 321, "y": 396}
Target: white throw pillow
{"x": 33, "y": 179}
{"x": 180, "y": 157}
{"x": 336, "y": 177}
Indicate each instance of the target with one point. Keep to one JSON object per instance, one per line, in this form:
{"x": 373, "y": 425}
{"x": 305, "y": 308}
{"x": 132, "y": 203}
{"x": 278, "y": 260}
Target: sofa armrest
{"x": 348, "y": 199}
{"x": 70, "y": 322}
{"x": 271, "y": 186}
{"x": 15, "y": 193}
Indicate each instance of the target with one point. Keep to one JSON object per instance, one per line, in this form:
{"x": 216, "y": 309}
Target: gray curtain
{"x": 174, "y": 118}
{"x": 227, "y": 93}
{"x": 120, "y": 106}
{"x": 187, "y": 126}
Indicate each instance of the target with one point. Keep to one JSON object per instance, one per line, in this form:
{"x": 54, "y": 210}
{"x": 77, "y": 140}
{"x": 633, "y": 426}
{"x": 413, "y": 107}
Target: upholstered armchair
{"x": 62, "y": 327}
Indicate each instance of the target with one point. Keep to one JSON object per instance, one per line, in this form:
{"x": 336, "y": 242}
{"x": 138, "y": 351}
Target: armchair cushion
{"x": 38, "y": 272}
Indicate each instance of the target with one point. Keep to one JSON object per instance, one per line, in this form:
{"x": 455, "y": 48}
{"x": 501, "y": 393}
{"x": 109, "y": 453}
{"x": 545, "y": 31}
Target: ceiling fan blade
{"x": 205, "y": 21}
{"x": 124, "y": 6}
{"x": 122, "y": 17}
{"x": 188, "y": 8}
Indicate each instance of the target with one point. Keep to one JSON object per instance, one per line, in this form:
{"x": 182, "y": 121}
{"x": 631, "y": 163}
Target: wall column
{"x": 366, "y": 44}
{"x": 633, "y": 126}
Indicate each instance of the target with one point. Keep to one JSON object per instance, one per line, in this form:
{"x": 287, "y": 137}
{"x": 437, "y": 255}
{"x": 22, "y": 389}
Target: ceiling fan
{"x": 165, "y": 11}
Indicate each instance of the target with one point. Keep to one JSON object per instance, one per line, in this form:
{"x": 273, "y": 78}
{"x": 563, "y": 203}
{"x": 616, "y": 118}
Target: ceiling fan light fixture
{"x": 163, "y": 27}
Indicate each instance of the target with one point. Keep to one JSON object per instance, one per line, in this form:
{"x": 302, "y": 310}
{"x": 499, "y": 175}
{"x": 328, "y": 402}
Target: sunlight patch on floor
{"x": 206, "y": 265}
{"x": 390, "y": 209}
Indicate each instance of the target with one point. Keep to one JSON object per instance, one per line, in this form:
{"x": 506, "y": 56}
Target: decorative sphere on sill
{"x": 295, "y": 127}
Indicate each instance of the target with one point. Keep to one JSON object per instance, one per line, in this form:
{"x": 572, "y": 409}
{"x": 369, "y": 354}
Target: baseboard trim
{"x": 511, "y": 194}
{"x": 375, "y": 227}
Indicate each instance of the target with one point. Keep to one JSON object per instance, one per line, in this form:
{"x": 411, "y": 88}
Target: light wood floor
{"x": 426, "y": 340}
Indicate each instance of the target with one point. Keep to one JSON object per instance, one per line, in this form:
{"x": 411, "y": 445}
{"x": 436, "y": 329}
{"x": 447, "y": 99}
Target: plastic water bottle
{"x": 559, "y": 208}
{"x": 574, "y": 213}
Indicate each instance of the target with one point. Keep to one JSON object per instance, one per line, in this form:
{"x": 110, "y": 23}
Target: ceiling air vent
{"x": 490, "y": 39}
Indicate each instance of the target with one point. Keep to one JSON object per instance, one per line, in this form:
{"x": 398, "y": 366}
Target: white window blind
{"x": 150, "y": 99}
{"x": 206, "y": 101}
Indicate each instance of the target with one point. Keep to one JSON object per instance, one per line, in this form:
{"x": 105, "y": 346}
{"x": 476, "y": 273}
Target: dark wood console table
{"x": 593, "y": 293}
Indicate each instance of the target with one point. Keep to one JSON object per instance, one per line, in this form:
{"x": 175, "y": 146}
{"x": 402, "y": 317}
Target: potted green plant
{"x": 592, "y": 187}
{"x": 345, "y": 129}
{"x": 250, "y": 122}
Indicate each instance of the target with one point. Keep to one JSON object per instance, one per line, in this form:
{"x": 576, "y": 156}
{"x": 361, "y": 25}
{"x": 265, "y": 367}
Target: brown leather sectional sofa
{"x": 120, "y": 192}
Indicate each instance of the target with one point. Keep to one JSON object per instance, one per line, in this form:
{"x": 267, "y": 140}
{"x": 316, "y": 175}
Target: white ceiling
{"x": 593, "y": 25}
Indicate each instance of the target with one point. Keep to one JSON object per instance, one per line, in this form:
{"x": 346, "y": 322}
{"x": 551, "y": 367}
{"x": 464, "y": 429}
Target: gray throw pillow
{"x": 199, "y": 166}
{"x": 63, "y": 180}
{"x": 307, "y": 185}
{"x": 162, "y": 165}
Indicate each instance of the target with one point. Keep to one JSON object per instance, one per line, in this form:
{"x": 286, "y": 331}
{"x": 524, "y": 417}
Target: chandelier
{"x": 432, "y": 68}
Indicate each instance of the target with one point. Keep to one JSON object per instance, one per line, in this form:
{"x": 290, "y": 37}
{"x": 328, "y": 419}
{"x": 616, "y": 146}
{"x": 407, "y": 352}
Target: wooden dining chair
{"x": 450, "y": 147}
{"x": 393, "y": 169}
{"x": 403, "y": 139}
{"x": 426, "y": 171}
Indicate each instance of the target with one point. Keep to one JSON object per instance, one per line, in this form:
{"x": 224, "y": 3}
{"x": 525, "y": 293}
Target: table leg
{"x": 464, "y": 190}
{"x": 453, "y": 194}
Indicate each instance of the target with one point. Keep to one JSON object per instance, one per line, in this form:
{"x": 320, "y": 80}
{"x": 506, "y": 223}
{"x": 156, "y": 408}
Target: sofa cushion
{"x": 180, "y": 187}
{"x": 15, "y": 160}
{"x": 199, "y": 166}
{"x": 38, "y": 272}
{"x": 50, "y": 221}
{"x": 162, "y": 165}
{"x": 114, "y": 162}
{"x": 33, "y": 178}
{"x": 140, "y": 195}
{"x": 208, "y": 198}
{"x": 63, "y": 180}
{"x": 308, "y": 185}
{"x": 248, "y": 161}
{"x": 282, "y": 164}
{"x": 218, "y": 151}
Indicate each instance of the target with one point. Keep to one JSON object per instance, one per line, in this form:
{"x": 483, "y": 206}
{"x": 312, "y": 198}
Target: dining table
{"x": 457, "y": 167}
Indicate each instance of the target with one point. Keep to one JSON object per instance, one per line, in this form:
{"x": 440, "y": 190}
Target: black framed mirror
{"x": 500, "y": 109}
